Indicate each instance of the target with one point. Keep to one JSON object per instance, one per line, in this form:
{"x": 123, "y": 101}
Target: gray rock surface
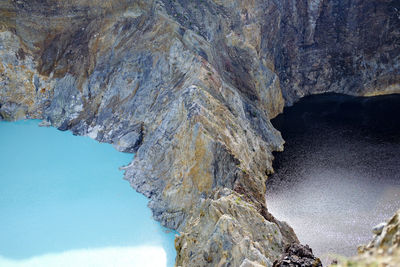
{"x": 377, "y": 230}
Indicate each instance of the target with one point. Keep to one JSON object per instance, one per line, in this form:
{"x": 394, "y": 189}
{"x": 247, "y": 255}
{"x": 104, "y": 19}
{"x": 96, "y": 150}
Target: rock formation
{"x": 190, "y": 87}
{"x": 383, "y": 250}
{"x": 298, "y": 255}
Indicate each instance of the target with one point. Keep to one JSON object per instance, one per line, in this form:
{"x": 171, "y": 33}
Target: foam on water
{"x": 63, "y": 199}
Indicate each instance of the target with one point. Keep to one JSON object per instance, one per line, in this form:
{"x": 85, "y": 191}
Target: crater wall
{"x": 190, "y": 87}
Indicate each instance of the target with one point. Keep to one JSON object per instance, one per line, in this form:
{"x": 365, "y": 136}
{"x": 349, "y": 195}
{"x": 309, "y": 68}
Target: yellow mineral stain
{"x": 199, "y": 174}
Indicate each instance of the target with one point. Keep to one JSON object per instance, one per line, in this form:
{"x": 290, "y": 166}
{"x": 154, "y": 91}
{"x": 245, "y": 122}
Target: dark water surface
{"x": 340, "y": 172}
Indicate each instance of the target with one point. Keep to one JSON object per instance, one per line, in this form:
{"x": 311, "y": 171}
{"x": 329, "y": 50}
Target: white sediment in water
{"x": 104, "y": 257}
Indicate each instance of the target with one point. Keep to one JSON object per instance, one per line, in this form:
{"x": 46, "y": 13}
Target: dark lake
{"x": 340, "y": 172}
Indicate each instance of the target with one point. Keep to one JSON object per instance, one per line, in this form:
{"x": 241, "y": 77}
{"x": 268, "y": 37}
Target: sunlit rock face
{"x": 190, "y": 86}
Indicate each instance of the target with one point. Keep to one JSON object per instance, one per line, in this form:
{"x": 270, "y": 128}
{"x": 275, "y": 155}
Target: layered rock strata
{"x": 190, "y": 87}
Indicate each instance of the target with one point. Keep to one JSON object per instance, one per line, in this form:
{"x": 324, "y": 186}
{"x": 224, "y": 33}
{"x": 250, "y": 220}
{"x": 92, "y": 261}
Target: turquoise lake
{"x": 63, "y": 202}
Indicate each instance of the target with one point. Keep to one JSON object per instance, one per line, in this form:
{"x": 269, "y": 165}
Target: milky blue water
{"x": 63, "y": 202}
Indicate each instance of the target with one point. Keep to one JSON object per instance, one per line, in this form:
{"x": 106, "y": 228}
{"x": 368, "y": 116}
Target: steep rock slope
{"x": 346, "y": 46}
{"x": 190, "y": 87}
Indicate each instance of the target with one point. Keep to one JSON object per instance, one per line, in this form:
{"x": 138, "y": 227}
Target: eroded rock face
{"x": 190, "y": 87}
{"x": 228, "y": 230}
{"x": 346, "y": 46}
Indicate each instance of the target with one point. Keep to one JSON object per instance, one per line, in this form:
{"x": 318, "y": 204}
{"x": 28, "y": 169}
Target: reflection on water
{"x": 340, "y": 172}
{"x": 62, "y": 197}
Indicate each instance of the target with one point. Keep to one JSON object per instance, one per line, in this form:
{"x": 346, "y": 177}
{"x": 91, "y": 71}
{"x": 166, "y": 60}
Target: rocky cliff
{"x": 190, "y": 87}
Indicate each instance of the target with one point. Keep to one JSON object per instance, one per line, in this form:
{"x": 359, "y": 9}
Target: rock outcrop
{"x": 190, "y": 87}
{"x": 298, "y": 255}
{"x": 383, "y": 250}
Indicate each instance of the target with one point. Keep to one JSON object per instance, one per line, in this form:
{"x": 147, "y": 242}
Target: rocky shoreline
{"x": 383, "y": 250}
{"x": 190, "y": 87}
